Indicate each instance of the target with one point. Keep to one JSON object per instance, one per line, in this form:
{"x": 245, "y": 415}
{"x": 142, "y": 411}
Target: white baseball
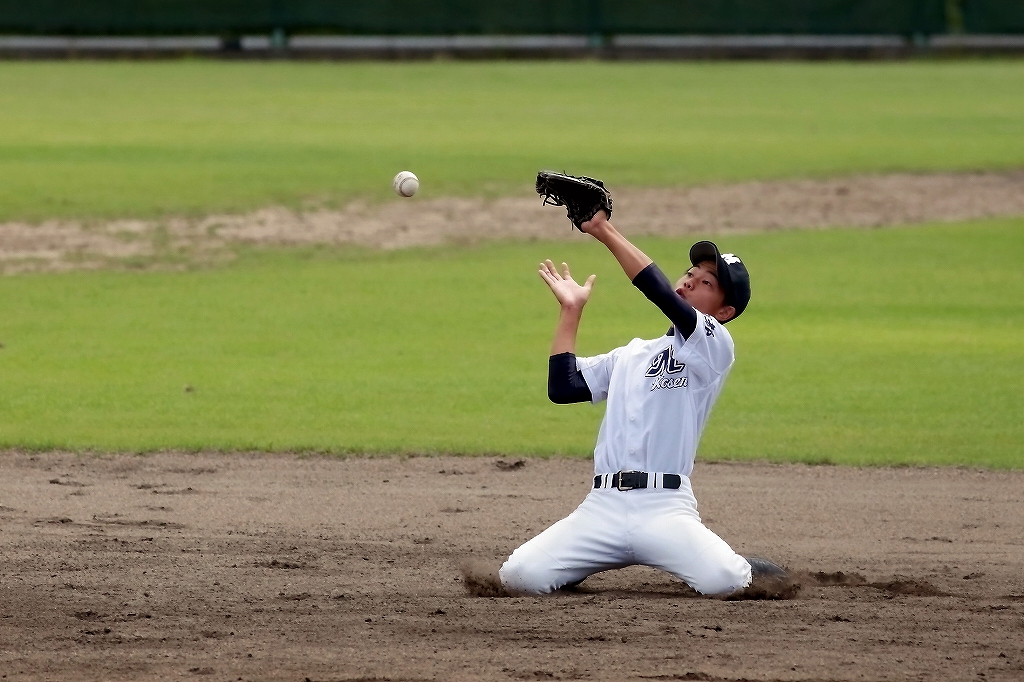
{"x": 406, "y": 183}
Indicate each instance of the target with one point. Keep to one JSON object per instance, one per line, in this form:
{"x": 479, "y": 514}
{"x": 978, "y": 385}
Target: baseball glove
{"x": 582, "y": 197}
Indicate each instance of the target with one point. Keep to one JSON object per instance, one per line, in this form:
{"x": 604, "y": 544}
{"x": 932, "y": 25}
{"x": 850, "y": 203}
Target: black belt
{"x": 630, "y": 480}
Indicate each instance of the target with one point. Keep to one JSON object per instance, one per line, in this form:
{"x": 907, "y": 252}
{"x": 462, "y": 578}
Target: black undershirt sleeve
{"x": 656, "y": 287}
{"x": 565, "y": 382}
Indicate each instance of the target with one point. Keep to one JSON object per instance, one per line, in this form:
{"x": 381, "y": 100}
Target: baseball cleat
{"x": 762, "y": 568}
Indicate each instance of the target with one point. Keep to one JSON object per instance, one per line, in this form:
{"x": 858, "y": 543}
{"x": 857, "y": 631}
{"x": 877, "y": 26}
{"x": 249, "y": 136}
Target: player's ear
{"x": 725, "y": 313}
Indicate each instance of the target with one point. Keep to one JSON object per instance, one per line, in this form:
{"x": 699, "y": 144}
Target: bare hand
{"x": 564, "y": 287}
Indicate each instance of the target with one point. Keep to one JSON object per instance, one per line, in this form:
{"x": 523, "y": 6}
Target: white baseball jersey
{"x": 660, "y": 394}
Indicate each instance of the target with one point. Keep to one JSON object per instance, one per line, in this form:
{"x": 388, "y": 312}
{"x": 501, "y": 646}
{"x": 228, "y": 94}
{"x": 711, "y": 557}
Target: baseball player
{"x": 641, "y": 509}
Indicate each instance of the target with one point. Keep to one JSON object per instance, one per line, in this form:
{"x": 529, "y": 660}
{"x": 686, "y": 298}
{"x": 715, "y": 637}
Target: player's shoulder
{"x": 629, "y": 348}
{"x": 638, "y": 343}
{"x": 714, "y": 329}
{"x": 708, "y": 331}
{"x": 710, "y": 344}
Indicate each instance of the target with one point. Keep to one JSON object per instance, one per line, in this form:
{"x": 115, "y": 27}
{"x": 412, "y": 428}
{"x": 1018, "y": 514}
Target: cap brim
{"x": 708, "y": 251}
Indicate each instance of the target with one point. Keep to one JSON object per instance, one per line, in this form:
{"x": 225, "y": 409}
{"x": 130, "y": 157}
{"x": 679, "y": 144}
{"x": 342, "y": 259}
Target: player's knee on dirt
{"x": 723, "y": 578}
{"x": 519, "y": 576}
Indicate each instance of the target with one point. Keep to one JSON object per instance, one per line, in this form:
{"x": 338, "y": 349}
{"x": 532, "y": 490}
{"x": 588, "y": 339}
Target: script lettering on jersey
{"x": 662, "y": 366}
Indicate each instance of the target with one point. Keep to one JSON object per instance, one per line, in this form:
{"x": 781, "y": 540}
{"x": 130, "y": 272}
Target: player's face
{"x": 699, "y": 287}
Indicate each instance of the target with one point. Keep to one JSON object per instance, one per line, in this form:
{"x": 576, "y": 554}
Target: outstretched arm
{"x": 643, "y": 273}
{"x": 632, "y": 259}
{"x": 565, "y": 383}
{"x": 571, "y": 299}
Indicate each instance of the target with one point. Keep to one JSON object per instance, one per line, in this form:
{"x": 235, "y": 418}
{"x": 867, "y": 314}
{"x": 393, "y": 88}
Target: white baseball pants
{"x": 614, "y": 529}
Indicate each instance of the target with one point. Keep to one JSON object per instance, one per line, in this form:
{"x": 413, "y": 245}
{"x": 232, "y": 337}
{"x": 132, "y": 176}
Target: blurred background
{"x": 200, "y": 248}
{"x": 608, "y": 28}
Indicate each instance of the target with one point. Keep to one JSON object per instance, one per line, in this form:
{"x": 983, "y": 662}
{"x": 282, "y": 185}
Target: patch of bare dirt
{"x": 864, "y": 201}
{"x": 283, "y": 567}
{"x": 768, "y": 588}
{"x": 480, "y": 579}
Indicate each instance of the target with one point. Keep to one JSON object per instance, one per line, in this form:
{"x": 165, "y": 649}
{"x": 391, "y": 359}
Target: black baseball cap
{"x": 732, "y": 274}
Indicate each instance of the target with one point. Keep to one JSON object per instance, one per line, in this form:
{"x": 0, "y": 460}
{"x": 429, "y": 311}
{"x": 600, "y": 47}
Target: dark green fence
{"x": 397, "y": 17}
{"x": 993, "y": 16}
{"x": 793, "y": 16}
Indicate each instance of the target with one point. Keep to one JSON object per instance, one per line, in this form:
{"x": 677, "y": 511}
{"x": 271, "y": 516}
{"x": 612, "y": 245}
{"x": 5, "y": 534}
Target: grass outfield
{"x": 860, "y": 346}
{"x": 142, "y": 139}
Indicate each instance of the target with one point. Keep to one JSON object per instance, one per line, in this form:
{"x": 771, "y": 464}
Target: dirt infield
{"x": 865, "y": 201}
{"x": 228, "y": 567}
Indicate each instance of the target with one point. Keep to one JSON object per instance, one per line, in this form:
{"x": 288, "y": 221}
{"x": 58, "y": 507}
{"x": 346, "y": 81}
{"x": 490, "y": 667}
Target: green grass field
{"x": 882, "y": 346}
{"x": 860, "y": 346}
{"x": 142, "y": 139}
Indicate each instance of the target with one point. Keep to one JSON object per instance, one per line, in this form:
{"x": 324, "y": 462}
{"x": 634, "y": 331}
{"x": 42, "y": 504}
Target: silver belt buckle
{"x": 621, "y": 476}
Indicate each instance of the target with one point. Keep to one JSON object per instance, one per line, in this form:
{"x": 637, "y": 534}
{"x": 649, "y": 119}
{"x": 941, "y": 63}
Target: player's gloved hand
{"x": 582, "y": 197}
{"x": 569, "y": 293}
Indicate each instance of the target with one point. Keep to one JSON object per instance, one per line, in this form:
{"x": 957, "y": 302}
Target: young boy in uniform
{"x": 641, "y": 509}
